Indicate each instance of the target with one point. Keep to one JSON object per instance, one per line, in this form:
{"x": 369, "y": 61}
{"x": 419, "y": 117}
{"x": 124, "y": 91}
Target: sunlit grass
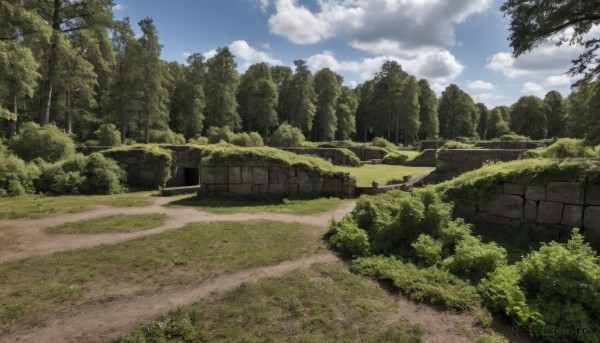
{"x": 111, "y": 224}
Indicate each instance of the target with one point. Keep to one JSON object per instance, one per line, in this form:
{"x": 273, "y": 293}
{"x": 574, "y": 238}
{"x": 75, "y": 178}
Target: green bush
{"x": 199, "y": 140}
{"x": 351, "y": 159}
{"x": 48, "y": 143}
{"x": 103, "y": 175}
{"x": 348, "y": 238}
{"x": 108, "y": 135}
{"x": 513, "y": 137}
{"x": 554, "y": 287}
{"x": 166, "y": 137}
{"x": 457, "y": 145}
{"x": 568, "y": 147}
{"x": 473, "y": 259}
{"x": 381, "y": 142}
{"x": 428, "y": 249}
{"x": 286, "y": 136}
{"x": 218, "y": 134}
{"x": 395, "y": 159}
{"x": 252, "y": 139}
{"x": 150, "y": 157}
{"x": 16, "y": 176}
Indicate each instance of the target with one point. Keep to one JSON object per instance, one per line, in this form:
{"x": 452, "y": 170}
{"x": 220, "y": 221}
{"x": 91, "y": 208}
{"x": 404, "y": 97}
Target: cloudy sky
{"x": 445, "y": 41}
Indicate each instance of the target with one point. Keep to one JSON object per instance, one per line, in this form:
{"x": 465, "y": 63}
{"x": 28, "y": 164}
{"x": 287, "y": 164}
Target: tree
{"x": 300, "y": 97}
{"x": 556, "y": 114}
{"x": 534, "y": 22}
{"x": 364, "y": 110}
{"x": 154, "y": 95}
{"x": 386, "y": 97}
{"x": 328, "y": 87}
{"x": 578, "y": 109}
{"x": 483, "y": 118}
{"x": 428, "y": 111}
{"x": 282, "y": 76}
{"x": 187, "y": 96}
{"x": 457, "y": 113}
{"x": 257, "y": 98}
{"x": 222, "y": 81}
{"x": 409, "y": 110}
{"x": 528, "y": 117}
{"x": 495, "y": 125}
{"x": 592, "y": 136}
{"x": 346, "y": 113}
{"x": 18, "y": 76}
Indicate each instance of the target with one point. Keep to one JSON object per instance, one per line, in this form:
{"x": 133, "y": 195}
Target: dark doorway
{"x": 191, "y": 176}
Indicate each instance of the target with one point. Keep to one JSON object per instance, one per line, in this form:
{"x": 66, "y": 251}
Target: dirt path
{"x": 32, "y": 240}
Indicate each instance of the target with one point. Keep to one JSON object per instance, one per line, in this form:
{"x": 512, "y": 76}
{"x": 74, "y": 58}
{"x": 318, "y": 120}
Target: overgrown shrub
{"x": 150, "y": 157}
{"x": 351, "y": 159}
{"x": 217, "y": 134}
{"x": 381, "y": 142}
{"x": 428, "y": 249}
{"x": 166, "y": 137}
{"x": 286, "y": 136}
{"x": 224, "y": 134}
{"x": 48, "y": 143}
{"x": 108, "y": 135}
{"x": 348, "y": 238}
{"x": 473, "y": 259}
{"x": 16, "y": 176}
{"x": 553, "y": 288}
{"x": 199, "y": 140}
{"x": 568, "y": 147}
{"x": 395, "y": 158}
{"x": 513, "y": 137}
{"x": 102, "y": 175}
{"x": 457, "y": 145}
{"x": 252, "y": 139}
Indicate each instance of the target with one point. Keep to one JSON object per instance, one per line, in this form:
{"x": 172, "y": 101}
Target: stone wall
{"x": 427, "y": 158}
{"x": 452, "y": 162}
{"x": 510, "y": 145}
{"x": 433, "y": 145}
{"x": 335, "y": 155}
{"x": 551, "y": 209}
{"x": 366, "y": 153}
{"x": 261, "y": 180}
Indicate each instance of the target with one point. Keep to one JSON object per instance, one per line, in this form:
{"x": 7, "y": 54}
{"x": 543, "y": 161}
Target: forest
{"x": 71, "y": 64}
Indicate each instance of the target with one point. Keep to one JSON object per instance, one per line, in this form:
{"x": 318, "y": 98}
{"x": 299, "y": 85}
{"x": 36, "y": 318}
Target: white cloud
{"x": 480, "y": 85}
{"x": 262, "y": 4}
{"x": 186, "y": 54}
{"x": 437, "y": 66}
{"x": 489, "y": 99}
{"x": 119, "y": 7}
{"x": 532, "y": 88}
{"x": 558, "y": 80}
{"x": 210, "y": 53}
{"x": 245, "y": 55}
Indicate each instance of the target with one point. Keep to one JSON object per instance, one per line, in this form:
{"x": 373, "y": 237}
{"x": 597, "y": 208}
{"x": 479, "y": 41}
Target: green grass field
{"x": 382, "y": 173}
{"x": 111, "y": 224}
{"x": 324, "y": 304}
{"x": 40, "y": 206}
{"x": 34, "y": 289}
{"x": 285, "y": 206}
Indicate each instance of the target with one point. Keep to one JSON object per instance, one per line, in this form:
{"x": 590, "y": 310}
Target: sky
{"x": 444, "y": 41}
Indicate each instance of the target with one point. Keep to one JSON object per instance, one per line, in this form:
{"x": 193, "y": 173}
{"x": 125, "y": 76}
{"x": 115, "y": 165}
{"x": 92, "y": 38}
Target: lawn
{"x": 40, "y": 206}
{"x": 285, "y": 206}
{"x": 34, "y": 289}
{"x": 326, "y": 303}
{"x": 382, "y": 173}
{"x": 111, "y": 224}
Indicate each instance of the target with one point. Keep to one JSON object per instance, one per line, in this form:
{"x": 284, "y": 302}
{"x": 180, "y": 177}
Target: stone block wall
{"x": 261, "y": 180}
{"x": 551, "y": 209}
{"x": 335, "y": 155}
{"x": 433, "y": 145}
{"x": 427, "y": 158}
{"x": 510, "y": 145}
{"x": 366, "y": 153}
{"x": 453, "y": 162}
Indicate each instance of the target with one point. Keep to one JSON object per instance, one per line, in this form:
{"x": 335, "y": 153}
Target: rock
{"x": 214, "y": 175}
{"x": 235, "y": 174}
{"x": 592, "y": 194}
{"x": 504, "y": 205}
{"x": 260, "y": 175}
{"x": 244, "y": 189}
{"x": 511, "y": 188}
{"x": 530, "y": 211}
{"x": 535, "y": 193}
{"x": 591, "y": 218}
{"x": 549, "y": 212}
{"x": 278, "y": 189}
{"x": 246, "y": 174}
{"x": 572, "y": 216}
{"x": 565, "y": 192}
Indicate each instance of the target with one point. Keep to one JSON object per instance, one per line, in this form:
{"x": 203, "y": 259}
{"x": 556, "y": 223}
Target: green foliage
{"x": 474, "y": 259}
{"x": 528, "y": 117}
{"x": 431, "y": 285}
{"x": 428, "y": 111}
{"x": 328, "y": 89}
{"x": 218, "y": 134}
{"x": 166, "y": 137}
{"x": 48, "y": 143}
{"x": 456, "y": 145}
{"x": 346, "y": 113}
{"x": 224, "y": 134}
{"x": 351, "y": 159}
{"x": 150, "y": 156}
{"x": 568, "y": 147}
{"x": 16, "y": 176}
{"x": 286, "y": 136}
{"x": 381, "y": 142}
{"x": 348, "y": 238}
{"x": 428, "y": 249}
{"x": 513, "y": 137}
{"x": 252, "y": 139}
{"x": 108, "y": 135}
{"x": 395, "y": 158}
{"x": 458, "y": 114}
{"x": 199, "y": 140}
{"x": 222, "y": 81}
{"x": 554, "y": 287}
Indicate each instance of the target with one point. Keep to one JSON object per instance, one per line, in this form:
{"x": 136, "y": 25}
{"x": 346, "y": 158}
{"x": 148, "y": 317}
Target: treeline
{"x": 70, "y": 63}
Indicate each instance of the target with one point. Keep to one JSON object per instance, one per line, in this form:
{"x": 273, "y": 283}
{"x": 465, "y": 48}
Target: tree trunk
{"x": 397, "y": 129}
{"x": 46, "y": 99}
{"x": 12, "y": 124}
{"x": 69, "y": 113}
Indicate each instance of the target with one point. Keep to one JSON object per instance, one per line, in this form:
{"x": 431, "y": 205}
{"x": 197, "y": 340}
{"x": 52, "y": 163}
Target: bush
{"x": 428, "y": 249}
{"x": 198, "y": 140}
{"x": 48, "y": 143}
{"x": 348, "y": 238}
{"x": 513, "y": 137}
{"x": 166, "y": 137}
{"x": 568, "y": 147}
{"x": 554, "y": 287}
{"x": 151, "y": 157}
{"x": 395, "y": 159}
{"x": 16, "y": 176}
{"x": 244, "y": 139}
{"x": 108, "y": 135}
{"x": 102, "y": 176}
{"x": 218, "y": 134}
{"x": 351, "y": 159}
{"x": 474, "y": 259}
{"x": 286, "y": 136}
{"x": 456, "y": 145}
{"x": 381, "y": 142}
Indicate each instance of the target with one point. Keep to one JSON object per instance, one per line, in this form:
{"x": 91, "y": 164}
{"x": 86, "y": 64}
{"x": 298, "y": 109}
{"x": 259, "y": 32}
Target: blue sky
{"x": 445, "y": 41}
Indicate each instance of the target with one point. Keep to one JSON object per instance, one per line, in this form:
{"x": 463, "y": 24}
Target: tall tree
{"x": 409, "y": 110}
{"x": 222, "y": 81}
{"x": 154, "y": 94}
{"x": 528, "y": 117}
{"x": 483, "y": 118}
{"x": 328, "y": 87}
{"x": 346, "y": 113}
{"x": 364, "y": 111}
{"x": 592, "y": 135}
{"x": 300, "y": 98}
{"x": 387, "y": 95}
{"x": 428, "y": 111}
{"x": 495, "y": 125}
{"x": 556, "y": 114}
{"x": 578, "y": 109}
{"x": 283, "y": 76}
{"x": 534, "y": 22}
{"x": 258, "y": 99}
{"x": 18, "y": 76}
{"x": 458, "y": 114}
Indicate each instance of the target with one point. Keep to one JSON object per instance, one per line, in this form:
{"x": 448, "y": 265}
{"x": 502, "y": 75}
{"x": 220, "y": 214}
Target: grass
{"x": 41, "y": 206}
{"x": 34, "y": 289}
{"x": 366, "y": 174}
{"x": 410, "y": 153}
{"x": 285, "y": 206}
{"x": 111, "y": 224}
{"x": 326, "y": 303}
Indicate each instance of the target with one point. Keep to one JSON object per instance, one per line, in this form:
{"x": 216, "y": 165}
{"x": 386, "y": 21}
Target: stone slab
{"x": 565, "y": 192}
{"x": 572, "y": 216}
{"x": 235, "y": 174}
{"x": 260, "y": 175}
{"x": 530, "y": 211}
{"x": 246, "y": 174}
{"x": 504, "y": 205}
{"x": 592, "y": 195}
{"x": 214, "y": 175}
{"x": 513, "y": 188}
{"x": 549, "y": 212}
{"x": 591, "y": 218}
{"x": 243, "y": 189}
{"x": 535, "y": 193}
